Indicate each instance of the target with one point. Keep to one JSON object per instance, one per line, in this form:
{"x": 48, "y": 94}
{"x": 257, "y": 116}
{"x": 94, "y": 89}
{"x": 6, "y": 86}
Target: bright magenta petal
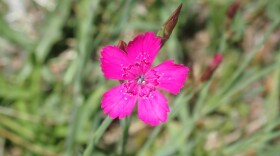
{"x": 143, "y": 49}
{"x": 113, "y": 61}
{"x": 153, "y": 109}
{"x": 117, "y": 102}
{"x": 168, "y": 76}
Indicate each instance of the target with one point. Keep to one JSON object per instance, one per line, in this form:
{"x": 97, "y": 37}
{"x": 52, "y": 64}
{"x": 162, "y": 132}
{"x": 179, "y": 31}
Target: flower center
{"x": 136, "y": 82}
{"x": 141, "y": 79}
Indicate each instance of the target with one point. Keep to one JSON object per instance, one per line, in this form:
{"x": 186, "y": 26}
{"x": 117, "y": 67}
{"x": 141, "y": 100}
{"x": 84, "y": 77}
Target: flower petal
{"x": 113, "y": 61}
{"x": 144, "y": 48}
{"x": 117, "y": 102}
{"x": 153, "y": 109}
{"x": 168, "y": 76}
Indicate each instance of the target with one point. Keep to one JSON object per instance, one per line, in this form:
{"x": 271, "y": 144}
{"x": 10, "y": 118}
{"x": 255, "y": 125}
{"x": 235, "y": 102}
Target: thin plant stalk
{"x": 97, "y": 135}
{"x": 126, "y": 125}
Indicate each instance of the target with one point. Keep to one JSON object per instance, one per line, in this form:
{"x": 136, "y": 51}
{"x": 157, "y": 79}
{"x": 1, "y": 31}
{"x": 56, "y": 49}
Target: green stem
{"x": 97, "y": 135}
{"x": 150, "y": 140}
{"x": 126, "y": 125}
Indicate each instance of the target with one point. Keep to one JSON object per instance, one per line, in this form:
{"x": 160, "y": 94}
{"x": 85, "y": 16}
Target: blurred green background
{"x": 51, "y": 83}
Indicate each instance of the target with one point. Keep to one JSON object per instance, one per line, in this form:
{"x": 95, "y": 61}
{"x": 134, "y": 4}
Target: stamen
{"x": 141, "y": 80}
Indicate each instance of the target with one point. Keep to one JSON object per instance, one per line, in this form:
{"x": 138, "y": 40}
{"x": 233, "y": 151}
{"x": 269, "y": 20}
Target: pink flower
{"x": 133, "y": 67}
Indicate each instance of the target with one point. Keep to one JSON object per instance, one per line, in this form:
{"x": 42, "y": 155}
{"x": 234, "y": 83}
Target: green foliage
{"x": 51, "y": 83}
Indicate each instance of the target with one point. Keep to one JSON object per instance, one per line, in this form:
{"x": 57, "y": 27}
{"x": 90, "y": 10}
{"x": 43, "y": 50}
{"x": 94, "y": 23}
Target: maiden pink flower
{"x": 132, "y": 67}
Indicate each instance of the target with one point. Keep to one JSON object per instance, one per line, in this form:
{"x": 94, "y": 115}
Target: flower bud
{"x": 212, "y": 67}
{"x": 122, "y": 45}
{"x": 167, "y": 28}
{"x": 232, "y": 9}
